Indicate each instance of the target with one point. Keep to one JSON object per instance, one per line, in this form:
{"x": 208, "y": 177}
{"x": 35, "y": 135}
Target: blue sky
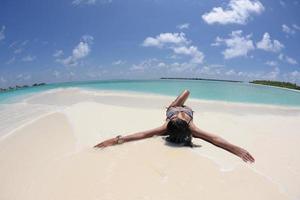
{"x": 76, "y": 40}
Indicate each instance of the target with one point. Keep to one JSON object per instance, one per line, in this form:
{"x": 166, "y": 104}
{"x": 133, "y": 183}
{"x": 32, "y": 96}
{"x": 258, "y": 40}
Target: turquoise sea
{"x": 200, "y": 89}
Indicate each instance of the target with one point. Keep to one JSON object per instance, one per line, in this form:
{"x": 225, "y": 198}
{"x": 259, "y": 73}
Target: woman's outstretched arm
{"x": 136, "y": 136}
{"x": 220, "y": 142}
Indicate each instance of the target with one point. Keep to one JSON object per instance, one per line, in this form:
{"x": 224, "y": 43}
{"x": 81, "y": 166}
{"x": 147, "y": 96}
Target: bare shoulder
{"x": 192, "y": 126}
{"x": 162, "y": 129}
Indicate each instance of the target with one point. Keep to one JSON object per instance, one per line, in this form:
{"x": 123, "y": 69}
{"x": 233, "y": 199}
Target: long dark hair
{"x": 179, "y": 133}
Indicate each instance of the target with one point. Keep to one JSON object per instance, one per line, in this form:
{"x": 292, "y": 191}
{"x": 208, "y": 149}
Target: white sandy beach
{"x": 48, "y": 154}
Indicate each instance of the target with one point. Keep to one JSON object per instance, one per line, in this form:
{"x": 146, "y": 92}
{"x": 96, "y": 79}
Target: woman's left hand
{"x": 107, "y": 143}
{"x": 244, "y": 154}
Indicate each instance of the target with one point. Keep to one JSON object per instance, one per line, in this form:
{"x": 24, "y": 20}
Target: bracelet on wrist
{"x": 120, "y": 140}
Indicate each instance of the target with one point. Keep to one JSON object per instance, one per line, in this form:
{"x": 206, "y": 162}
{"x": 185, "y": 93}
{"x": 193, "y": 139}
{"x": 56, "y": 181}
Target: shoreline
{"x": 150, "y": 94}
{"x": 56, "y": 86}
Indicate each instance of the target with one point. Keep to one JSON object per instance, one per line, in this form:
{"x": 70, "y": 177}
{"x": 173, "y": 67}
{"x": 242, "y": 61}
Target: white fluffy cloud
{"x": 156, "y": 65}
{"x": 192, "y": 51}
{"x": 11, "y": 60}
{"x": 18, "y": 47}
{"x": 282, "y": 3}
{"x": 79, "y": 52}
{"x": 89, "y": 2}
{"x": 222, "y": 72}
{"x": 145, "y": 65}
{"x": 237, "y": 44}
{"x": 77, "y": 2}
{"x": 28, "y": 58}
{"x": 56, "y": 73}
{"x": 293, "y": 76}
{"x": 23, "y": 77}
{"x": 271, "y": 63}
{"x": 290, "y": 30}
{"x": 208, "y": 71}
{"x": 2, "y": 34}
{"x": 291, "y": 60}
{"x": 3, "y": 80}
{"x": 178, "y": 43}
{"x": 295, "y": 26}
{"x": 183, "y": 26}
{"x": 287, "y": 29}
{"x": 18, "y": 51}
{"x": 287, "y": 59}
{"x": 58, "y": 53}
{"x": 211, "y": 70}
{"x": 119, "y": 62}
{"x": 230, "y": 72}
{"x": 268, "y": 45}
{"x": 237, "y": 12}
{"x": 166, "y": 39}
{"x": 274, "y": 74}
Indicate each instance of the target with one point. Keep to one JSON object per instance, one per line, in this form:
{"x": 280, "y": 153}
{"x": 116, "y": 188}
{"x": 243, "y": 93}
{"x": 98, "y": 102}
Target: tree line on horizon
{"x": 20, "y": 87}
{"x": 277, "y": 84}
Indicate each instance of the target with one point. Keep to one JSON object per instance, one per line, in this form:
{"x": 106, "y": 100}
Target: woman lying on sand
{"x": 179, "y": 129}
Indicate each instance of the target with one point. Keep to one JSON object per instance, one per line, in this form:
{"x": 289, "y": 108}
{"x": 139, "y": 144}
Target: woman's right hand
{"x": 244, "y": 154}
{"x": 107, "y": 143}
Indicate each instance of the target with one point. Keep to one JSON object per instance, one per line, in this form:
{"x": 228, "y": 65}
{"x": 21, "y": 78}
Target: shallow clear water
{"x": 200, "y": 89}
